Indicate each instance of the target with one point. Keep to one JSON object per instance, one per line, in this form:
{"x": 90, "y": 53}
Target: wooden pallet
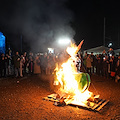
{"x": 93, "y": 106}
{"x": 90, "y": 105}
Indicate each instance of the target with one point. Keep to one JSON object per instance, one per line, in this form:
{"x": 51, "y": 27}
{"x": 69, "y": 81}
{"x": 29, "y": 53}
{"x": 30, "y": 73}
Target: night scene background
{"x": 35, "y": 25}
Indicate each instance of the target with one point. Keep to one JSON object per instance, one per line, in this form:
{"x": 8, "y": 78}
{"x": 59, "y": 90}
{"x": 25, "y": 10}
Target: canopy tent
{"x": 117, "y": 51}
{"x": 97, "y": 50}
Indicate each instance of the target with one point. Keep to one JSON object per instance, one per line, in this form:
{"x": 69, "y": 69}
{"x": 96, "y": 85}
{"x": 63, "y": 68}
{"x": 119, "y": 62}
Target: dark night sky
{"x": 41, "y": 22}
{"x": 89, "y": 21}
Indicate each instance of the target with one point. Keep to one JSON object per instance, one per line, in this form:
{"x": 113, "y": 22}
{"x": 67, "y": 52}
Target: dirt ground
{"x": 22, "y": 99}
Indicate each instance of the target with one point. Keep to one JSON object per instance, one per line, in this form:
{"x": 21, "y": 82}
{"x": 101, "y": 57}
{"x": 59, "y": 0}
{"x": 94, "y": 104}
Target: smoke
{"x": 42, "y": 22}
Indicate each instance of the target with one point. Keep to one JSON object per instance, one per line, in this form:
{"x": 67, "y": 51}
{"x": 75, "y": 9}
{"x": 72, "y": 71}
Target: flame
{"x": 66, "y": 77}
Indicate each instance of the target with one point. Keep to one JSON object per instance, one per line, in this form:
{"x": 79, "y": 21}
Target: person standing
{"x": 2, "y": 65}
{"x": 37, "y": 69}
{"x": 105, "y": 66}
{"x": 113, "y": 64}
{"x": 93, "y": 63}
{"x": 43, "y": 64}
{"x": 22, "y": 61}
{"x": 31, "y": 65}
{"x": 117, "y": 77}
{"x": 17, "y": 64}
{"x": 25, "y": 63}
{"x": 6, "y": 65}
{"x": 110, "y": 52}
{"x": 50, "y": 63}
{"x": 9, "y": 65}
{"x": 89, "y": 61}
{"x": 99, "y": 64}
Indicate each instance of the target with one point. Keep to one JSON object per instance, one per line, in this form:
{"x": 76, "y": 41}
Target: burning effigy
{"x": 73, "y": 84}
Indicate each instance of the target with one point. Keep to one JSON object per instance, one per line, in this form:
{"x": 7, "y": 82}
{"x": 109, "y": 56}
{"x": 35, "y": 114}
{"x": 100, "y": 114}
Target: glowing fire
{"x": 66, "y": 77}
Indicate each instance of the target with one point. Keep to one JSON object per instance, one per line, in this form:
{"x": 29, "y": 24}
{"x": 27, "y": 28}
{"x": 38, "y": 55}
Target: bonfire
{"x": 73, "y": 84}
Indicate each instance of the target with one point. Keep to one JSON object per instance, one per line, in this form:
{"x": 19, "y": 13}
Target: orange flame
{"x": 66, "y": 77}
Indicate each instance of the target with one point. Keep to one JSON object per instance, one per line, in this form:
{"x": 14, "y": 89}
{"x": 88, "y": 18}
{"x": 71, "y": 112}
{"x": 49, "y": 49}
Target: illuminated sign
{"x": 2, "y": 43}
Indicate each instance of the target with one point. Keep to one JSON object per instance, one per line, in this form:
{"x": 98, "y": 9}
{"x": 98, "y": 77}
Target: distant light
{"x": 64, "y": 41}
{"x": 110, "y": 44}
{"x": 50, "y": 50}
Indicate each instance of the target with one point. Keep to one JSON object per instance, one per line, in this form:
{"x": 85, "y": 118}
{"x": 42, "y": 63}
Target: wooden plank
{"x": 79, "y": 105}
{"x": 91, "y": 104}
{"x": 50, "y": 99}
{"x": 98, "y": 104}
{"x": 99, "y": 108}
{"x": 52, "y": 95}
{"x": 68, "y": 101}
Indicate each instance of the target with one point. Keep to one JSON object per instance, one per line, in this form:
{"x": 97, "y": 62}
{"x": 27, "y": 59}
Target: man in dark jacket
{"x": 17, "y": 64}
{"x": 113, "y": 64}
{"x": 2, "y": 65}
{"x": 93, "y": 62}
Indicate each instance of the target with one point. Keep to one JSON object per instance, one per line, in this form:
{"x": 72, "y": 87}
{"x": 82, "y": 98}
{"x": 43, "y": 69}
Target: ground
{"x": 22, "y": 99}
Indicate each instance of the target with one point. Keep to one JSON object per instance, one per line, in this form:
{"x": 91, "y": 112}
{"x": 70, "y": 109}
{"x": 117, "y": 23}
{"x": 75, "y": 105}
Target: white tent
{"x": 97, "y": 50}
{"x": 117, "y": 51}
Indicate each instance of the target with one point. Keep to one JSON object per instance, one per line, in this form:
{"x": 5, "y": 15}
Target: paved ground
{"x": 21, "y": 99}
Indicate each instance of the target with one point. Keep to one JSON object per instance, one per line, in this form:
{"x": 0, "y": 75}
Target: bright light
{"x": 50, "y": 50}
{"x": 110, "y": 44}
{"x": 64, "y": 41}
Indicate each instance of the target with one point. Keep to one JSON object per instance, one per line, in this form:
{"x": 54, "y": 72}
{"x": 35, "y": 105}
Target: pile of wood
{"x": 93, "y": 103}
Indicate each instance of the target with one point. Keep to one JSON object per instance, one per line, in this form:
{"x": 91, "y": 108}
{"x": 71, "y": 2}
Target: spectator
{"x": 112, "y": 66}
{"x": 31, "y": 65}
{"x": 105, "y": 66}
{"x": 93, "y": 62}
{"x": 49, "y": 65}
{"x": 89, "y": 61}
{"x": 22, "y": 61}
{"x": 99, "y": 59}
{"x": 118, "y": 70}
{"x": 9, "y": 67}
{"x": 37, "y": 69}
{"x": 31, "y": 56}
{"x": 25, "y": 63}
{"x": 6, "y": 65}
{"x": 17, "y": 64}
{"x": 110, "y": 52}
{"x": 43, "y": 63}
{"x": 2, "y": 65}
{"x": 104, "y": 53}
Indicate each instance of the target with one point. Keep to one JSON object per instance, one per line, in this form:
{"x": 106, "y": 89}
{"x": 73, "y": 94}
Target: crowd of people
{"x": 26, "y": 64}
{"x": 105, "y": 64}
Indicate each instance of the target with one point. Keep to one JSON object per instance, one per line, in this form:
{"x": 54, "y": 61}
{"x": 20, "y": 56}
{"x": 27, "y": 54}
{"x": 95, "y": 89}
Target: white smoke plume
{"x": 42, "y": 22}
